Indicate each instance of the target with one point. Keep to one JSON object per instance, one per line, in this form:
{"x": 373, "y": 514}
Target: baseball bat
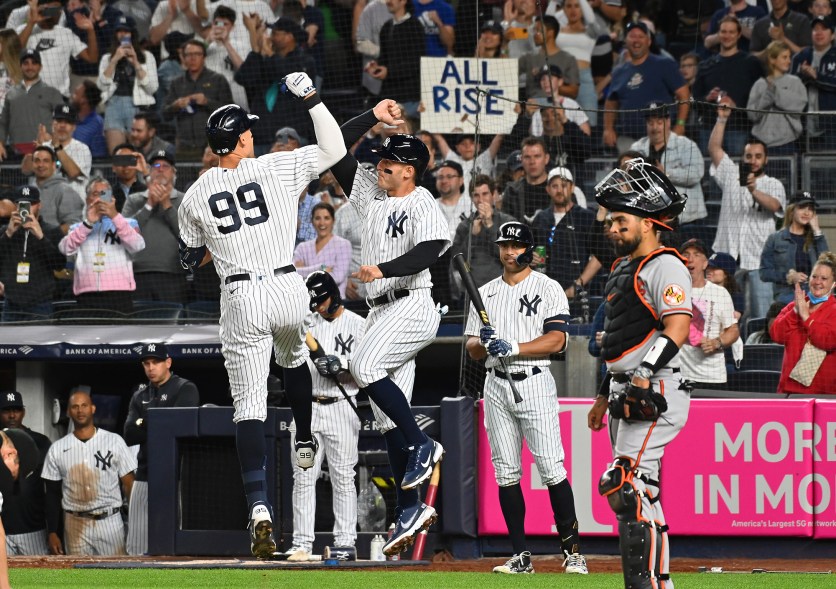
{"x": 317, "y": 352}
{"x": 432, "y": 491}
{"x": 467, "y": 280}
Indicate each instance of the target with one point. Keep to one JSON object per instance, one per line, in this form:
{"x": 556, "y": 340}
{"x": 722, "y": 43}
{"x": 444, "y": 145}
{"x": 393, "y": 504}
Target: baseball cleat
{"x": 575, "y": 564}
{"x": 411, "y": 522}
{"x": 422, "y": 459}
{"x": 298, "y": 554}
{"x": 262, "y": 544}
{"x": 305, "y": 454}
{"x": 519, "y": 564}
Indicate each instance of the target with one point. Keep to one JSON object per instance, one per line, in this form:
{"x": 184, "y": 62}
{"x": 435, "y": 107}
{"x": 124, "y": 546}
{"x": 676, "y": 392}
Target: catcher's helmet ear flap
{"x": 643, "y": 190}
{"x": 225, "y": 126}
{"x": 407, "y": 149}
{"x": 520, "y": 233}
{"x": 321, "y": 287}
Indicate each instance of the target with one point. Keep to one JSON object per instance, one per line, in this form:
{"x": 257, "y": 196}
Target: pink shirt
{"x": 336, "y": 255}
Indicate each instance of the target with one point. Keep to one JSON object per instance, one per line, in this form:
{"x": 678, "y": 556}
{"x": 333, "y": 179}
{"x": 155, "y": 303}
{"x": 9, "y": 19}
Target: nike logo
{"x": 234, "y": 290}
{"x": 67, "y": 450}
{"x": 427, "y": 463}
{"x": 490, "y": 295}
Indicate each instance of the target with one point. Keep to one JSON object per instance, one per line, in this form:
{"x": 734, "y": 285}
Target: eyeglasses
{"x": 193, "y": 54}
{"x": 162, "y": 166}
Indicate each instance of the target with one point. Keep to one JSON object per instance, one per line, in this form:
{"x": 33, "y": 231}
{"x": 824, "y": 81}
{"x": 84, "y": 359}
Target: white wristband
{"x": 515, "y": 349}
{"x": 148, "y": 207}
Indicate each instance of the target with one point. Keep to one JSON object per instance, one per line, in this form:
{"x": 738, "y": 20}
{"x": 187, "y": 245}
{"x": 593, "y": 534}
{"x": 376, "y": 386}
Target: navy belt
{"x": 624, "y": 377}
{"x": 325, "y": 400}
{"x": 389, "y": 297}
{"x": 516, "y": 375}
{"x": 96, "y": 515}
{"x": 241, "y": 277}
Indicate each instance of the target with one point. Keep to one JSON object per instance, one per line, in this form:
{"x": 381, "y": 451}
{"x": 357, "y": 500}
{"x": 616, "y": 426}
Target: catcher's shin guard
{"x": 638, "y": 543}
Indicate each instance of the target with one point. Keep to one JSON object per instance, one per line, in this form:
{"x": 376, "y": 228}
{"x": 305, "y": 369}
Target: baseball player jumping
{"x": 647, "y": 318}
{"x": 243, "y": 215}
{"x": 531, "y": 313}
{"x": 404, "y": 232}
{"x": 335, "y": 426}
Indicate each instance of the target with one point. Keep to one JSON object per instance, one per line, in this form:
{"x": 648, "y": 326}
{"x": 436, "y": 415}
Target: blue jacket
{"x": 825, "y": 75}
{"x": 778, "y": 258}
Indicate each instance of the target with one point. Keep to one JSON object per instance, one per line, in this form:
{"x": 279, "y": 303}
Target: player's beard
{"x": 625, "y": 247}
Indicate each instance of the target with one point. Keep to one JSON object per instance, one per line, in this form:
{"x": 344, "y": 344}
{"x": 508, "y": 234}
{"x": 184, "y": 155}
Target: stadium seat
{"x": 203, "y": 311}
{"x": 752, "y": 325}
{"x": 754, "y": 381}
{"x": 156, "y": 312}
{"x": 762, "y": 357}
{"x": 73, "y": 315}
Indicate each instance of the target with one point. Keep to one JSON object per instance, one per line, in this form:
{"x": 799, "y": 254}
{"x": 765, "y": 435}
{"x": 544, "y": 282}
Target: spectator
{"x": 807, "y": 330}
{"x": 713, "y": 324}
{"x": 575, "y": 40}
{"x": 476, "y": 235}
{"x": 746, "y": 14}
{"x": 548, "y": 53}
{"x": 144, "y": 135}
{"x": 438, "y": 18}
{"x": 163, "y": 389}
{"x": 90, "y": 126}
{"x": 305, "y": 230}
{"x": 224, "y": 54}
{"x": 56, "y": 43}
{"x": 326, "y": 251}
{"x": 518, "y": 20}
{"x": 513, "y": 171}
{"x": 490, "y": 44}
{"x": 74, "y": 156}
{"x": 312, "y": 22}
{"x": 104, "y": 17}
{"x": 128, "y": 177}
{"x": 721, "y": 271}
{"x": 24, "y": 517}
{"x": 60, "y": 203}
{"x": 27, "y": 106}
{"x": 261, "y": 75}
{"x": 645, "y": 78}
{"x": 28, "y": 280}
{"x": 782, "y": 94}
{"x": 754, "y": 205}
{"x": 19, "y": 16}
{"x": 524, "y": 197}
{"x": 367, "y": 39}
{"x": 820, "y": 8}
{"x": 401, "y": 47}
{"x": 681, "y": 161}
{"x": 689, "y": 64}
{"x": 92, "y": 521}
{"x": 10, "y": 74}
{"x": 465, "y": 152}
{"x": 208, "y": 161}
{"x": 157, "y": 270}
{"x": 192, "y": 98}
{"x": 181, "y": 16}
{"x": 170, "y": 68}
{"x": 348, "y": 225}
{"x": 782, "y": 24}
{"x": 731, "y": 73}
{"x": 816, "y": 66}
{"x": 762, "y": 335}
{"x": 128, "y": 79}
{"x": 12, "y": 412}
{"x": 287, "y": 139}
{"x": 564, "y": 229}
{"x": 104, "y": 243}
{"x": 790, "y": 254}
{"x": 456, "y": 207}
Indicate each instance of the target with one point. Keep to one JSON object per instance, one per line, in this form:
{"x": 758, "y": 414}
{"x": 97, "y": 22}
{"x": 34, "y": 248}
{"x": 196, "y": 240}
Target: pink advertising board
{"x": 739, "y": 467}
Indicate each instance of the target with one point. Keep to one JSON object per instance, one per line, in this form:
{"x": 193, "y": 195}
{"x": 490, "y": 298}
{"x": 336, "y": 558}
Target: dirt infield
{"x": 442, "y": 562}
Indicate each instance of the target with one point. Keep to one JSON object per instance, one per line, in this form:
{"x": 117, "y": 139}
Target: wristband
{"x": 720, "y": 344}
{"x": 680, "y": 122}
{"x": 660, "y": 353}
{"x": 312, "y": 100}
{"x": 86, "y": 223}
{"x": 515, "y": 348}
{"x": 148, "y": 207}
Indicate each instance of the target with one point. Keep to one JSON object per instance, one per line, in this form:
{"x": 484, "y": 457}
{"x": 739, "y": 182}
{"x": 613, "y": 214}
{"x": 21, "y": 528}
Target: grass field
{"x": 146, "y": 578}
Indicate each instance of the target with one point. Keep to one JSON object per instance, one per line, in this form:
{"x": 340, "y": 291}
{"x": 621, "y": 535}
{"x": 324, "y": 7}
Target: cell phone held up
{"x": 24, "y": 209}
{"x": 516, "y": 33}
{"x": 124, "y": 160}
{"x": 51, "y": 12}
{"x": 745, "y": 170}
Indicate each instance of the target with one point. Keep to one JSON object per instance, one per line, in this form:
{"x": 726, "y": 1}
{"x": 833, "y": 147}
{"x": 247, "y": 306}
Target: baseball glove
{"x": 642, "y": 404}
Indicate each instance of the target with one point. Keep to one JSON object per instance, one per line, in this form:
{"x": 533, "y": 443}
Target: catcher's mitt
{"x": 638, "y": 404}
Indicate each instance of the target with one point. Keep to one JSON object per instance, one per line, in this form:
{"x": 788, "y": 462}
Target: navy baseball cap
{"x": 125, "y": 23}
{"x": 285, "y": 134}
{"x": 656, "y": 110}
{"x": 551, "y": 69}
{"x": 162, "y": 154}
{"x": 514, "y": 161}
{"x": 26, "y": 192}
{"x": 11, "y": 400}
{"x": 492, "y": 26}
{"x": 154, "y": 350}
{"x": 825, "y": 21}
{"x": 724, "y": 262}
{"x": 804, "y": 198}
{"x": 697, "y": 244}
{"x": 65, "y": 112}
{"x": 32, "y": 54}
{"x": 636, "y": 25}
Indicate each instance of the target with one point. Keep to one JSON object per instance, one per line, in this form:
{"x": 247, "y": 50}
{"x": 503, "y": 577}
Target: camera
{"x": 106, "y": 196}
{"x": 24, "y": 209}
{"x": 125, "y": 41}
{"x": 51, "y": 12}
{"x": 124, "y": 160}
{"x": 745, "y": 170}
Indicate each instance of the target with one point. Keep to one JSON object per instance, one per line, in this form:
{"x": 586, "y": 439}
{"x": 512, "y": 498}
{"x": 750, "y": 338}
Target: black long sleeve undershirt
{"x": 53, "y": 505}
{"x": 352, "y": 130}
{"x": 419, "y": 258}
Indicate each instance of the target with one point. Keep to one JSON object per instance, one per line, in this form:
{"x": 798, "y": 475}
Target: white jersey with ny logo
{"x": 519, "y": 312}
{"x": 340, "y": 338}
{"x": 247, "y": 216}
{"x": 90, "y": 471}
{"x": 394, "y": 225}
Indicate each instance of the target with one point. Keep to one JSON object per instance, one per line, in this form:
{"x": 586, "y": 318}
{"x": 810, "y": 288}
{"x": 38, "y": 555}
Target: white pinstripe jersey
{"x": 246, "y": 216}
{"x": 395, "y": 225}
{"x": 520, "y": 312}
{"x": 90, "y": 471}
{"x": 339, "y": 337}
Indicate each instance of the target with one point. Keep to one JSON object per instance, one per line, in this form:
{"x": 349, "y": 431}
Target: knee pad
{"x": 618, "y": 486}
{"x": 638, "y": 544}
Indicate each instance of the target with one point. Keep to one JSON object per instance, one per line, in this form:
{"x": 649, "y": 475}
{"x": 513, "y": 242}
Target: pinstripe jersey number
{"x": 231, "y": 210}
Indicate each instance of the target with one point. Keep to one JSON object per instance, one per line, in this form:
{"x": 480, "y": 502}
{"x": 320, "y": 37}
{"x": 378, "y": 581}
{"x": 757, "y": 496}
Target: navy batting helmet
{"x": 643, "y": 190}
{"x": 521, "y": 233}
{"x": 225, "y": 125}
{"x": 407, "y": 149}
{"x": 321, "y": 286}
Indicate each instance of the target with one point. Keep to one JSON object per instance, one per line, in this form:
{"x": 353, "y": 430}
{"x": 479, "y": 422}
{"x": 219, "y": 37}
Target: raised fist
{"x": 299, "y": 84}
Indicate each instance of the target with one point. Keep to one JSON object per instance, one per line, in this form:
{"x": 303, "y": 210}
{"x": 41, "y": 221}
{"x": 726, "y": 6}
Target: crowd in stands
{"x": 100, "y": 100}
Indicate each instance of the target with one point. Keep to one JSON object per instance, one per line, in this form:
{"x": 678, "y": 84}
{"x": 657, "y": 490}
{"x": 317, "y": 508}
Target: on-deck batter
{"x": 647, "y": 319}
{"x": 244, "y": 212}
{"x": 530, "y": 312}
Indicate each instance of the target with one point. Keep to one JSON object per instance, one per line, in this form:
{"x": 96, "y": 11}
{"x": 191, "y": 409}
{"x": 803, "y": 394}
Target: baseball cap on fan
{"x": 26, "y": 192}
{"x": 154, "y": 350}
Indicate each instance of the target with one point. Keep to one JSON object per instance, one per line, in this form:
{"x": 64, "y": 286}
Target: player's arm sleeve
{"x": 188, "y": 396}
{"x": 419, "y": 258}
{"x": 330, "y": 148}
{"x": 352, "y": 130}
{"x": 52, "y": 505}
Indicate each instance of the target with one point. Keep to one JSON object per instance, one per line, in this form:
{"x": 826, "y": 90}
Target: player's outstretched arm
{"x": 329, "y": 147}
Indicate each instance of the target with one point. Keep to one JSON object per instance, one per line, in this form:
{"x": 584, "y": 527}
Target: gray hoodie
{"x": 60, "y": 204}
